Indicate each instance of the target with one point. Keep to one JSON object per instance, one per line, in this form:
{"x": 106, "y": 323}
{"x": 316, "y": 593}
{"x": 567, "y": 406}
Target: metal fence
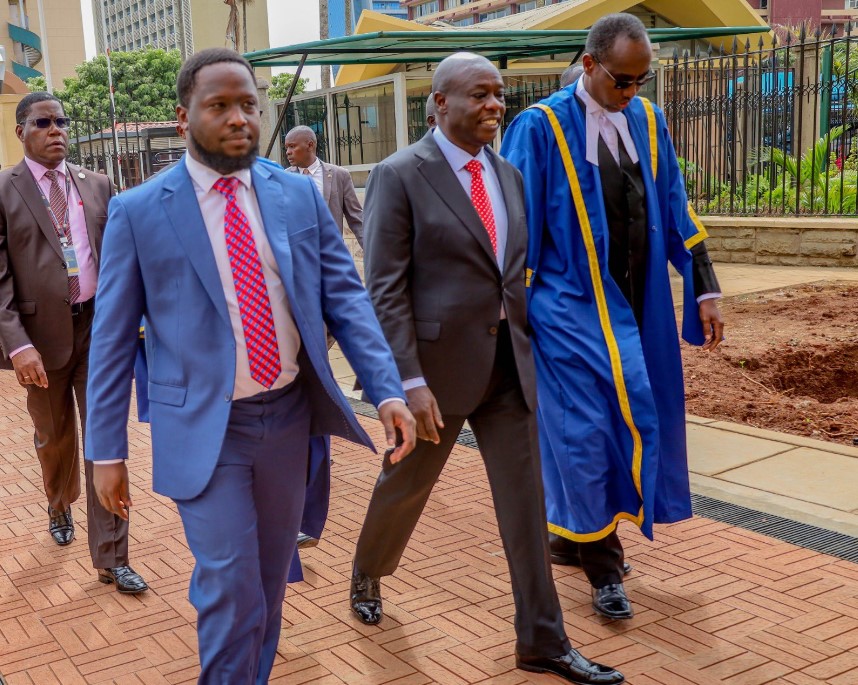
{"x": 771, "y": 130}
{"x": 127, "y": 151}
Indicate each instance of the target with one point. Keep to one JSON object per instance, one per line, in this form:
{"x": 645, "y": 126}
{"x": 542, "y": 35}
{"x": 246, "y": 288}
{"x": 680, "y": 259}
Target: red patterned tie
{"x": 254, "y": 306}
{"x": 59, "y": 206}
{"x": 480, "y": 199}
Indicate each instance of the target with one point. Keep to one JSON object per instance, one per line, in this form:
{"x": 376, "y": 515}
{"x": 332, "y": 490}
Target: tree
{"x": 144, "y": 83}
{"x": 280, "y": 86}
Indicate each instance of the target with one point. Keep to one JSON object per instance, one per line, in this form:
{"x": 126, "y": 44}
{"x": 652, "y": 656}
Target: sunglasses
{"x": 624, "y": 83}
{"x": 45, "y": 122}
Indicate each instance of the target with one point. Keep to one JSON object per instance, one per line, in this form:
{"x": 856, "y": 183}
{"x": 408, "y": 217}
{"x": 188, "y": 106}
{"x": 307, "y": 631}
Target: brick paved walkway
{"x": 715, "y": 604}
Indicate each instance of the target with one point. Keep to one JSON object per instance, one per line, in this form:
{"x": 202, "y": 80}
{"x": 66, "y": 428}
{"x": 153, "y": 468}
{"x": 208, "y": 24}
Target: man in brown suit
{"x": 334, "y": 182}
{"x": 52, "y": 217}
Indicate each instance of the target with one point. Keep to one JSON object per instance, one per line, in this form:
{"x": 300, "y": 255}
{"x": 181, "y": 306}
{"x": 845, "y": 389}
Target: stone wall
{"x": 789, "y": 241}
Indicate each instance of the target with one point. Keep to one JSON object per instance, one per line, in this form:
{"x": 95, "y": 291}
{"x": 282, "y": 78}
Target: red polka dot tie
{"x": 481, "y": 202}
{"x": 254, "y": 305}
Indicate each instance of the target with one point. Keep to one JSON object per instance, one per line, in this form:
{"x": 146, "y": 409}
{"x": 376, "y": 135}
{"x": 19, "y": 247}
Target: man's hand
{"x": 111, "y": 485}
{"x": 422, "y": 404}
{"x": 393, "y": 416}
{"x": 29, "y": 369}
{"x": 713, "y": 324}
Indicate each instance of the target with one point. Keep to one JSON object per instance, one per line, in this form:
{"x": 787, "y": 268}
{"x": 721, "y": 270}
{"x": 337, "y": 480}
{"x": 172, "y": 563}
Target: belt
{"x": 81, "y": 307}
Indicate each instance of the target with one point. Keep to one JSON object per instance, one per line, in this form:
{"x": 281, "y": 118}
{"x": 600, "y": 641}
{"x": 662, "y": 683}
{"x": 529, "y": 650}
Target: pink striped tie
{"x": 59, "y": 206}
{"x": 254, "y": 305}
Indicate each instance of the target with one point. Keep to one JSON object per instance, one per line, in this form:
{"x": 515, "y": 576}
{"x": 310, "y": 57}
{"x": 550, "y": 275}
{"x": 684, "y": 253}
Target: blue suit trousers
{"x": 242, "y": 532}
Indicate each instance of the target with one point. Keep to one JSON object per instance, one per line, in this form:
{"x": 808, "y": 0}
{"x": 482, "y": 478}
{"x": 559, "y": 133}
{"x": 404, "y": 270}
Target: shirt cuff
{"x": 412, "y": 383}
{"x": 19, "y": 349}
{"x": 708, "y": 296}
{"x": 389, "y": 400}
{"x": 108, "y": 461}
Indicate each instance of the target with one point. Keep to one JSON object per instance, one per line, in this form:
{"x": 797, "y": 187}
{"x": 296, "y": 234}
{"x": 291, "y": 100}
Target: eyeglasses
{"x": 45, "y": 122}
{"x": 624, "y": 83}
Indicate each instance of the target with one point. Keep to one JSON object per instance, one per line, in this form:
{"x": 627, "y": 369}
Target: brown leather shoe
{"x": 128, "y": 582}
{"x": 61, "y": 526}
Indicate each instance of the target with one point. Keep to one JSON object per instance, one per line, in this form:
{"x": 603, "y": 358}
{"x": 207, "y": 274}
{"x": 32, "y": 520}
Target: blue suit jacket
{"x": 157, "y": 262}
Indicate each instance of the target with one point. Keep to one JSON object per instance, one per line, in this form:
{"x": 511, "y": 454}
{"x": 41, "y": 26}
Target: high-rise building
{"x": 184, "y": 25}
{"x": 25, "y": 40}
{"x": 824, "y": 14}
{"x": 337, "y": 10}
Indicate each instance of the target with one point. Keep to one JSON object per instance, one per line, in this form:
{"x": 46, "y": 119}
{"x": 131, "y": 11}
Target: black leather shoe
{"x": 128, "y": 582}
{"x": 565, "y": 553}
{"x": 306, "y": 541}
{"x": 573, "y": 667}
{"x": 611, "y": 602}
{"x": 61, "y": 526}
{"x": 366, "y": 597}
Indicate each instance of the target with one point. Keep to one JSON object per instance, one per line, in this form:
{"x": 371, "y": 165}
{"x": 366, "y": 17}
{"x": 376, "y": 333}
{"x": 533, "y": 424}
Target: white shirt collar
{"x": 315, "y": 166}
{"x": 599, "y": 122}
{"x": 456, "y": 156}
{"x": 205, "y": 177}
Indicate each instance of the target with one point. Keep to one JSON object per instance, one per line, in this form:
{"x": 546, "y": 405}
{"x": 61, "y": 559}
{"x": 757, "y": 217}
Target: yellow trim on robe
{"x": 598, "y": 535}
{"x": 653, "y": 136}
{"x": 528, "y": 277}
{"x": 701, "y": 234}
{"x": 604, "y": 319}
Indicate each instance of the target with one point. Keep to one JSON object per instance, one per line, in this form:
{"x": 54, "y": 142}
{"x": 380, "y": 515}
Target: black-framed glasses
{"x": 624, "y": 83}
{"x": 45, "y": 122}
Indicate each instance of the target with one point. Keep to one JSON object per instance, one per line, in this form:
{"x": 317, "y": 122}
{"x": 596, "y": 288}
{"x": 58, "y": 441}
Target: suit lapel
{"x": 327, "y": 181}
{"x": 183, "y": 212}
{"x": 85, "y": 192}
{"x": 25, "y": 184}
{"x": 272, "y": 207}
{"x": 439, "y": 175}
{"x": 516, "y": 232}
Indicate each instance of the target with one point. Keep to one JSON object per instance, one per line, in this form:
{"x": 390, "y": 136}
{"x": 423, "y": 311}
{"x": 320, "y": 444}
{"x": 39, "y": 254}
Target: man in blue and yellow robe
{"x": 607, "y": 211}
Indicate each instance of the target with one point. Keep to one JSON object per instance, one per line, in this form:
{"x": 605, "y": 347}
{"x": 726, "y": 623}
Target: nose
{"x": 494, "y": 103}
{"x": 237, "y": 116}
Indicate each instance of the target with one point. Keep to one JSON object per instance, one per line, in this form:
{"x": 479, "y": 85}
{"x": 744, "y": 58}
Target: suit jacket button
{"x": 63, "y": 266}
{"x": 493, "y": 330}
{"x": 227, "y": 397}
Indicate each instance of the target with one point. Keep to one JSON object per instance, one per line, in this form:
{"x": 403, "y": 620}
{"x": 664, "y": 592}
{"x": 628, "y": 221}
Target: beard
{"x": 223, "y": 164}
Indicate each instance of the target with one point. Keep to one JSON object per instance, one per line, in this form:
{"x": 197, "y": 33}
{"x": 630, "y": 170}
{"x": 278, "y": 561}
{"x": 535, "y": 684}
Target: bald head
{"x": 300, "y": 144}
{"x": 457, "y": 68}
{"x": 469, "y": 100}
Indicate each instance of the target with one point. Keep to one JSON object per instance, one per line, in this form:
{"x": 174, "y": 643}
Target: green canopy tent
{"x": 395, "y": 47}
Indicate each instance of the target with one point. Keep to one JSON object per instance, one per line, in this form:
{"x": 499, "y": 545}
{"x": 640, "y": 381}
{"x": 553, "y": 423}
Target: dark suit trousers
{"x": 506, "y": 433}
{"x": 242, "y": 531}
{"x": 53, "y": 412}
{"x": 602, "y": 560}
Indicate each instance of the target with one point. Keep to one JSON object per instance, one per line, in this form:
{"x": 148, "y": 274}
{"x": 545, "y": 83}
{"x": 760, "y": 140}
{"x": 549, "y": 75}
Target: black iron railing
{"x": 771, "y": 130}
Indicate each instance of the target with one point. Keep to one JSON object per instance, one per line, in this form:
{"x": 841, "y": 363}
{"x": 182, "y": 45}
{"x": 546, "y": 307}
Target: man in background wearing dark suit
{"x": 446, "y": 240}
{"x": 52, "y": 217}
{"x": 334, "y": 182}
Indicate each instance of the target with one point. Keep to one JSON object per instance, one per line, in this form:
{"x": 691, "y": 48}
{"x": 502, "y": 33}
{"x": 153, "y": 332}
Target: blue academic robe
{"x": 611, "y": 397}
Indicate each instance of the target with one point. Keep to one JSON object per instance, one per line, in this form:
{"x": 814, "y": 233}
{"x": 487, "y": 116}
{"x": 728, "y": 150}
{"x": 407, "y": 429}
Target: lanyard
{"x": 63, "y": 229}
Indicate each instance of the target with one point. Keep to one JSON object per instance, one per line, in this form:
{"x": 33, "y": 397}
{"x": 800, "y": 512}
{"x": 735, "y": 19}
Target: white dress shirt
{"x": 612, "y": 126}
{"x": 212, "y": 207}
{"x": 317, "y": 172}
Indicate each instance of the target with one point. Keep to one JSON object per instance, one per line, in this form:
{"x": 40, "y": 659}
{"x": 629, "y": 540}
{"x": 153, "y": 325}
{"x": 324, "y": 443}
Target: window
{"x": 851, "y": 4}
{"x": 497, "y": 14}
{"x": 524, "y": 6}
{"x": 426, "y": 8}
{"x": 467, "y": 21}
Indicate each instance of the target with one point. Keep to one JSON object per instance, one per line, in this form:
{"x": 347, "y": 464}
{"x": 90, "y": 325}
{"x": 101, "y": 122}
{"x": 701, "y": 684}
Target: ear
{"x": 440, "y": 102}
{"x": 589, "y": 62}
{"x": 19, "y": 131}
{"x": 182, "y": 116}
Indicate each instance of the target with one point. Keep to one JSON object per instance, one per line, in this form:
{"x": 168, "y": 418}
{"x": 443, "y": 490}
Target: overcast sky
{"x": 289, "y": 21}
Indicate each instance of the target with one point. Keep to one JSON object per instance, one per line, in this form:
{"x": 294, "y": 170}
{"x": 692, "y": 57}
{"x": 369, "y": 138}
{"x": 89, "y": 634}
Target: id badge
{"x": 70, "y": 258}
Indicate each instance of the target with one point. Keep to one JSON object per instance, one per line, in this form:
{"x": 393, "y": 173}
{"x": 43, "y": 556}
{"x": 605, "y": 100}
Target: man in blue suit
{"x": 238, "y": 269}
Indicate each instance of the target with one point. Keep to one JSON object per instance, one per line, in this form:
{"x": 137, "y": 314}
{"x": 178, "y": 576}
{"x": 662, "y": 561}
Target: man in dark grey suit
{"x": 445, "y": 246}
{"x": 334, "y": 182}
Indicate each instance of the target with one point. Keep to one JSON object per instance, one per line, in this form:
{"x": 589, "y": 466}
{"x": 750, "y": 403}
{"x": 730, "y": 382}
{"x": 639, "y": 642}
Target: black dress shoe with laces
{"x": 61, "y": 526}
{"x": 565, "y": 553}
{"x": 611, "y": 602}
{"x": 366, "y": 597}
{"x": 573, "y": 667}
{"x": 306, "y": 541}
{"x": 128, "y": 582}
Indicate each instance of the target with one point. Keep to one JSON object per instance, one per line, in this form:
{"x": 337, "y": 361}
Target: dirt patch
{"x": 789, "y": 363}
